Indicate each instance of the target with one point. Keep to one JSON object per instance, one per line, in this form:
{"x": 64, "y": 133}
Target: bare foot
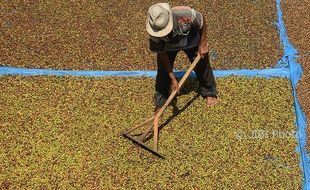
{"x": 211, "y": 101}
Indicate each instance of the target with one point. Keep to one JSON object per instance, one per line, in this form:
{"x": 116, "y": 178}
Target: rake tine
{"x": 138, "y": 126}
{"x": 143, "y": 136}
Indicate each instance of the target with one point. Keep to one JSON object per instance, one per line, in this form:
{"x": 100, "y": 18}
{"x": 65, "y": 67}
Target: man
{"x": 179, "y": 29}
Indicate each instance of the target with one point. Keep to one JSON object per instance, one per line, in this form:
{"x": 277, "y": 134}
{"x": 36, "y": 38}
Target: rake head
{"x": 143, "y": 145}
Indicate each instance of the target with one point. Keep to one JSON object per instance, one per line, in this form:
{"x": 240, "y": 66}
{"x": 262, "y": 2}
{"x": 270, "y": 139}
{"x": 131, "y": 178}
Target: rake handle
{"x": 190, "y": 69}
{"x": 139, "y": 126}
{"x": 172, "y": 95}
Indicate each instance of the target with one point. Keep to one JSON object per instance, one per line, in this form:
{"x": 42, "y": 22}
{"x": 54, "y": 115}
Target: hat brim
{"x": 163, "y": 32}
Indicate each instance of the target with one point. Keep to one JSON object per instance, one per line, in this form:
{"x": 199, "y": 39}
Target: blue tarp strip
{"x": 273, "y": 72}
{"x": 289, "y": 58}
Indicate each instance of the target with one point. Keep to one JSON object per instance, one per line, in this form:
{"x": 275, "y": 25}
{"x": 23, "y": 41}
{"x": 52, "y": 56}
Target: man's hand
{"x": 174, "y": 85}
{"x": 168, "y": 67}
{"x": 203, "y": 49}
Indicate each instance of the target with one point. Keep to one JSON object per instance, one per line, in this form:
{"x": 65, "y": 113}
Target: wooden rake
{"x": 155, "y": 118}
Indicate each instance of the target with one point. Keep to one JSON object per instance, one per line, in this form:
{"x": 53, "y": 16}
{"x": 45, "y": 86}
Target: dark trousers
{"x": 203, "y": 71}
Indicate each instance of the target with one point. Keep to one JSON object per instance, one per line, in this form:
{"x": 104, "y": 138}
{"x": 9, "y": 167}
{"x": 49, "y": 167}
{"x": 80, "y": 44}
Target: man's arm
{"x": 164, "y": 59}
{"x": 158, "y": 46}
{"x": 203, "y": 46}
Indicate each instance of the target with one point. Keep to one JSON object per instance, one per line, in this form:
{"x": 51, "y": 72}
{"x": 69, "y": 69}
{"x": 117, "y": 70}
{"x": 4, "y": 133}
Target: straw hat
{"x": 159, "y": 21}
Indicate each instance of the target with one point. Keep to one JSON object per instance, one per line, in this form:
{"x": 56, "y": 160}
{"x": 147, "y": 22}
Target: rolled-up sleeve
{"x": 197, "y": 19}
{"x": 157, "y": 45}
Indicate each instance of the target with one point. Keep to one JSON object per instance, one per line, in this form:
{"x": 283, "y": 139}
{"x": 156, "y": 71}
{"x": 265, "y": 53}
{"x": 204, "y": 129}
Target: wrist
{"x": 172, "y": 76}
{"x": 203, "y": 42}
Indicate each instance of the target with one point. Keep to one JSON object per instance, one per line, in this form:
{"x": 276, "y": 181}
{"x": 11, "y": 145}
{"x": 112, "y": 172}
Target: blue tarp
{"x": 267, "y": 73}
{"x": 289, "y": 59}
